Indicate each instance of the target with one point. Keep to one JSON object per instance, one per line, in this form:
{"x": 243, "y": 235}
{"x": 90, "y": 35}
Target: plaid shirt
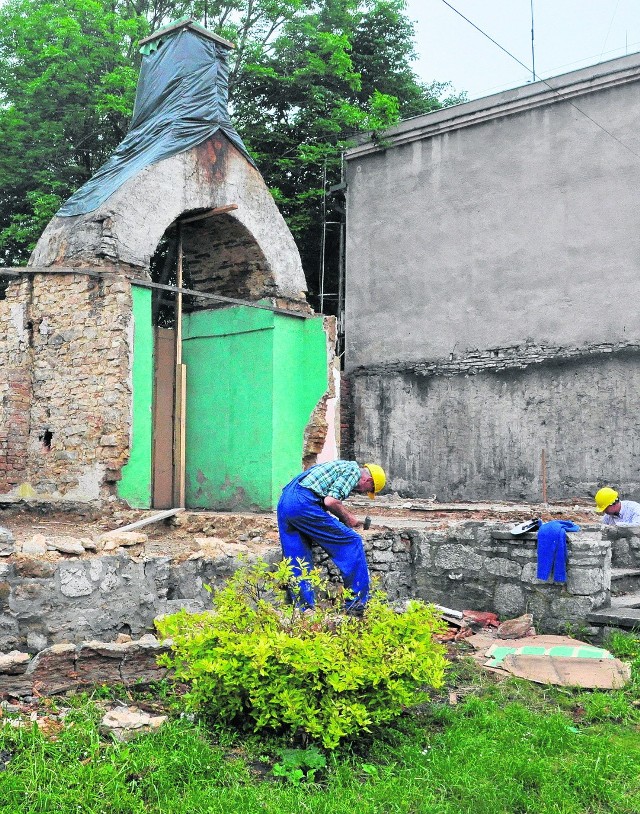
{"x": 335, "y": 478}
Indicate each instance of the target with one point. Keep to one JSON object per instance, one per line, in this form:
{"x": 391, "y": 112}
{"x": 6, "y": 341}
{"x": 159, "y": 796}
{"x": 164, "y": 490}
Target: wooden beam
{"x": 148, "y": 520}
{"x": 203, "y": 295}
{"x": 211, "y": 213}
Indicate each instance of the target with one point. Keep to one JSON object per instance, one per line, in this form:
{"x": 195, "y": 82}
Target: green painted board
{"x": 497, "y": 653}
{"x": 135, "y": 485}
{"x": 229, "y": 358}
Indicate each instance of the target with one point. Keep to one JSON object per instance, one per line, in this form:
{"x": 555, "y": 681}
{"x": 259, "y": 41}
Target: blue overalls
{"x": 302, "y": 519}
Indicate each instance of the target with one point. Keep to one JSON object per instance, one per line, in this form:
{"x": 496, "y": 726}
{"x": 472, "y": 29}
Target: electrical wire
{"x": 604, "y": 44}
{"x": 544, "y": 81}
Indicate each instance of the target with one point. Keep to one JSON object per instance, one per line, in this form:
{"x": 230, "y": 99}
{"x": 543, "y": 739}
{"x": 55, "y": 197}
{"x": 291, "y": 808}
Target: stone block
{"x": 585, "y": 581}
{"x": 529, "y": 573}
{"x": 117, "y": 539}
{"x": 74, "y": 581}
{"x": 15, "y": 686}
{"x": 457, "y": 557}
{"x": 29, "y": 599}
{"x": 34, "y": 569}
{"x": 99, "y": 663}
{"x": 140, "y": 665}
{"x": 66, "y": 545}
{"x": 538, "y": 603}
{"x": 509, "y": 600}
{"x": 503, "y": 568}
{"x": 53, "y": 670}
{"x": 382, "y": 556}
{"x": 37, "y": 545}
{"x": 36, "y": 641}
{"x": 14, "y": 663}
{"x": 572, "y": 608}
{"x": 6, "y": 536}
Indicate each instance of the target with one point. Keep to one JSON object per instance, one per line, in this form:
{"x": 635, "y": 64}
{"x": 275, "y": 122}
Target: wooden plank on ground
{"x": 153, "y": 519}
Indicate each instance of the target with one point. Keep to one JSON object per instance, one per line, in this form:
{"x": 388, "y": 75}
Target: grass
{"x": 506, "y": 748}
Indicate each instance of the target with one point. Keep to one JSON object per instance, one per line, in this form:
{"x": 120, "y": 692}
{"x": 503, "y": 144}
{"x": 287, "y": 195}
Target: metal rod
{"x": 203, "y": 295}
{"x": 533, "y": 50}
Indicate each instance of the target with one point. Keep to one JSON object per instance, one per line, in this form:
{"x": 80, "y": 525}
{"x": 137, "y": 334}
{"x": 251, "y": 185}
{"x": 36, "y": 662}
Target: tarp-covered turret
{"x": 181, "y": 101}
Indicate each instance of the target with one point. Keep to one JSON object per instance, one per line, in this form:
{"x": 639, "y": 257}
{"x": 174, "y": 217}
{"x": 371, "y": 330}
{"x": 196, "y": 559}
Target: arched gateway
{"x": 160, "y": 346}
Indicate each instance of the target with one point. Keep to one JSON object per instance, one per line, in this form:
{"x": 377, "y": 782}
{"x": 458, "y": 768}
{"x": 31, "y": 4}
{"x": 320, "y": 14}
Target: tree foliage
{"x": 306, "y": 75}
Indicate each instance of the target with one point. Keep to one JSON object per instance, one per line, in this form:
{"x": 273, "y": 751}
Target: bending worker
{"x": 616, "y": 512}
{"x": 310, "y": 510}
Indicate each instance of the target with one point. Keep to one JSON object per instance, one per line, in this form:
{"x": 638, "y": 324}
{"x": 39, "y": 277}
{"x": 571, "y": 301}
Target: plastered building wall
{"x": 492, "y": 278}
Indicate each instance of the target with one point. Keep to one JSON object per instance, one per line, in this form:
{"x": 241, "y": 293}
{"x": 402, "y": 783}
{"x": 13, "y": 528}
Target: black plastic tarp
{"x": 181, "y": 101}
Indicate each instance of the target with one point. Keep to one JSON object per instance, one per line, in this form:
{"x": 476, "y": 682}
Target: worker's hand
{"x": 341, "y": 512}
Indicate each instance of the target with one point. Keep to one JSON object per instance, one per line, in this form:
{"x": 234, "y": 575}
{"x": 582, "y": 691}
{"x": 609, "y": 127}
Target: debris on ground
{"x": 463, "y": 624}
{"x": 517, "y": 628}
{"x": 547, "y": 659}
{"x": 125, "y": 723}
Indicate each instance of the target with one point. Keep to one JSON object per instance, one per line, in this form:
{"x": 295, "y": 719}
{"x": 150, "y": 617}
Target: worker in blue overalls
{"x": 311, "y": 510}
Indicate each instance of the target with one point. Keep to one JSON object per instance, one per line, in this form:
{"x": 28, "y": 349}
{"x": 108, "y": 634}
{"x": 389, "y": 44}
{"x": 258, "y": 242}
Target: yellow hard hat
{"x": 379, "y": 478}
{"x": 605, "y": 497}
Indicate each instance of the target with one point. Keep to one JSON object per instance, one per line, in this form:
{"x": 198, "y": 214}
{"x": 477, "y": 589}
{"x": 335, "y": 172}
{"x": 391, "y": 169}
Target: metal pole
{"x": 324, "y": 233}
{"x": 533, "y": 50}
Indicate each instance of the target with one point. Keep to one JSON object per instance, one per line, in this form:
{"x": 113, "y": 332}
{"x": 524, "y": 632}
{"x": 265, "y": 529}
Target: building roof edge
{"x": 564, "y": 87}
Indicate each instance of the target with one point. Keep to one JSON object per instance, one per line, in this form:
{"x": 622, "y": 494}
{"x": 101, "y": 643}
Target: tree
{"x": 67, "y": 83}
{"x": 306, "y": 76}
{"x": 341, "y": 68}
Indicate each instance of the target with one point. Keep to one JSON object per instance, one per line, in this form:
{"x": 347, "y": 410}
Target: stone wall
{"x": 469, "y": 565}
{"x": 625, "y": 545}
{"x": 65, "y": 399}
{"x": 481, "y": 566}
{"x": 222, "y": 257}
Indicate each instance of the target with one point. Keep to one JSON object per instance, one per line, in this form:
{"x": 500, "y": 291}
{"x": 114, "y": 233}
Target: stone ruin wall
{"x": 469, "y": 565}
{"x": 65, "y": 401}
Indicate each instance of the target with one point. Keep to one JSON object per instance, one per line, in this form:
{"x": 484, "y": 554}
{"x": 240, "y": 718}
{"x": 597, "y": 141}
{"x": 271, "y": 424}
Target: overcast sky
{"x": 568, "y": 34}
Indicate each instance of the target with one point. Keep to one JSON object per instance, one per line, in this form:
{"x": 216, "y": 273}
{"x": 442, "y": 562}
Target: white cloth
{"x": 629, "y": 515}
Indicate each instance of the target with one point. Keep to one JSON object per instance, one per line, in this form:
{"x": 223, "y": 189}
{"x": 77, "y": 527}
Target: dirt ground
{"x": 185, "y": 533}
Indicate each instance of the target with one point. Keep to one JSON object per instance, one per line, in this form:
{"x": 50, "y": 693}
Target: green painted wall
{"x": 135, "y": 486}
{"x": 253, "y": 379}
{"x": 299, "y": 382}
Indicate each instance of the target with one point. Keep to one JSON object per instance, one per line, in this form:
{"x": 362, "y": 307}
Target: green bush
{"x": 258, "y": 663}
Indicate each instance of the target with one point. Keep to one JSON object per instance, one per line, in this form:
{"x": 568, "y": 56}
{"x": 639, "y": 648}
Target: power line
{"x": 604, "y": 44}
{"x": 544, "y": 81}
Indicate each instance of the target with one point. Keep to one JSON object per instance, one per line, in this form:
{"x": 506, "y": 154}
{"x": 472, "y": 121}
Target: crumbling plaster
{"x": 126, "y": 230}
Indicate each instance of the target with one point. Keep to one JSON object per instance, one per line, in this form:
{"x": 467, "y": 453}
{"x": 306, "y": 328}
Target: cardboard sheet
{"x": 591, "y": 673}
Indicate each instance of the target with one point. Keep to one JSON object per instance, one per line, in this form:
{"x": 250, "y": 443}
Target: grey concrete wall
{"x": 501, "y": 234}
{"x": 482, "y": 436}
